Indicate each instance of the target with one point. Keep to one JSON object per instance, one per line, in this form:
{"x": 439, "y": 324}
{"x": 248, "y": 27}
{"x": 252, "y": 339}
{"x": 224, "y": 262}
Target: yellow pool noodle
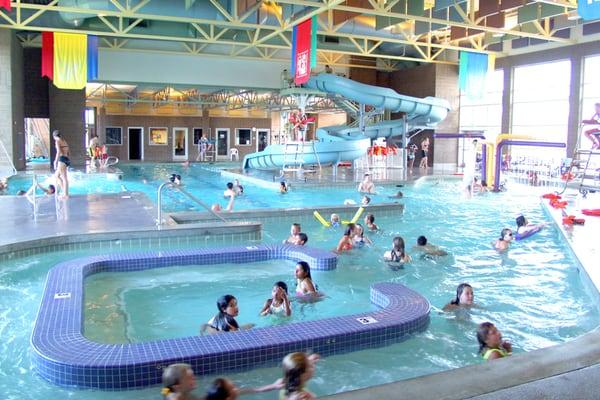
{"x": 321, "y": 219}
{"x": 356, "y": 216}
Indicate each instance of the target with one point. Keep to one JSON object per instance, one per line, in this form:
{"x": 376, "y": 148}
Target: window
{"x": 198, "y": 133}
{"x": 114, "y": 136}
{"x": 159, "y": 136}
{"x": 590, "y": 95}
{"x": 484, "y": 114}
{"x": 541, "y": 107}
{"x": 243, "y": 137}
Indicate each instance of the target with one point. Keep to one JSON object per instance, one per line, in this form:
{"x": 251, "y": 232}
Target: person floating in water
{"x": 427, "y": 248}
{"x": 506, "y": 237}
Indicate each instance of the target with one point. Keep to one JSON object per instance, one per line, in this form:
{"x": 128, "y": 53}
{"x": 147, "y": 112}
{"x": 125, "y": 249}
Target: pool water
{"x": 533, "y": 293}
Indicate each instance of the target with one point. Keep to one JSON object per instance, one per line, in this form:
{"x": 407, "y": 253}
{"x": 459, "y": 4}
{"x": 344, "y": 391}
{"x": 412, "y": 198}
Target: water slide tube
{"x": 338, "y": 143}
{"x": 514, "y": 140}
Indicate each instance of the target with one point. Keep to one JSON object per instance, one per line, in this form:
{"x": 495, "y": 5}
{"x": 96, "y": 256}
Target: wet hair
{"x": 459, "y": 290}
{"x": 399, "y": 194}
{"x": 222, "y": 320}
{"x": 349, "y": 230}
{"x": 504, "y": 232}
{"x": 175, "y": 177}
{"x": 217, "y": 390}
{"x": 370, "y": 218}
{"x": 303, "y": 237}
{"x": 362, "y": 233}
{"x": 306, "y": 268}
{"x": 229, "y": 185}
{"x": 421, "y": 240}
{"x": 52, "y": 189}
{"x": 56, "y": 133}
{"x": 296, "y": 225}
{"x": 366, "y": 199}
{"x": 294, "y": 366}
{"x": 172, "y": 375}
{"x": 282, "y": 285}
{"x": 398, "y": 243}
{"x": 520, "y": 221}
{"x": 482, "y": 333}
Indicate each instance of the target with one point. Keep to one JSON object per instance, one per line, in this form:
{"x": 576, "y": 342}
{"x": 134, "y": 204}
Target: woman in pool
{"x": 506, "y": 236}
{"x": 491, "y": 345}
{"x": 178, "y": 382}
{"x": 370, "y": 222}
{"x": 525, "y": 229}
{"x": 304, "y": 283}
{"x": 298, "y": 368}
{"x": 359, "y": 237}
{"x": 346, "y": 243}
{"x": 225, "y": 321}
{"x": 398, "y": 252}
{"x": 279, "y": 303}
{"x": 283, "y": 187}
{"x": 464, "y": 297}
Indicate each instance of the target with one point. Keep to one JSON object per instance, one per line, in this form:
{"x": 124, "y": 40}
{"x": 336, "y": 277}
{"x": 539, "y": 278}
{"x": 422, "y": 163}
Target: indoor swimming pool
{"x": 535, "y": 293}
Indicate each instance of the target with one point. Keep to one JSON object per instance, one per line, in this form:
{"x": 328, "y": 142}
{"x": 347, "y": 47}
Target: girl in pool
{"x": 225, "y": 321}
{"x": 370, "y": 222}
{"x": 298, "y": 368}
{"x": 359, "y": 237}
{"x": 491, "y": 345}
{"x": 398, "y": 252}
{"x": 304, "y": 283}
{"x": 224, "y": 389}
{"x": 279, "y": 303}
{"x": 346, "y": 242}
{"x": 283, "y": 187}
{"x": 464, "y": 297}
{"x": 525, "y": 229}
{"x": 178, "y": 382}
{"x": 506, "y": 236}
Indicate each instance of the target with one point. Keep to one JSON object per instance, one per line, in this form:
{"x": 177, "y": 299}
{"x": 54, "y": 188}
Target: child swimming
{"x": 370, "y": 222}
{"x": 225, "y": 389}
{"x": 491, "y": 345}
{"x": 506, "y": 237}
{"x": 298, "y": 369}
{"x": 359, "y": 237}
{"x": 178, "y": 382}
{"x": 334, "y": 220}
{"x": 304, "y": 283}
{"x": 464, "y": 297}
{"x": 398, "y": 252}
{"x": 279, "y": 303}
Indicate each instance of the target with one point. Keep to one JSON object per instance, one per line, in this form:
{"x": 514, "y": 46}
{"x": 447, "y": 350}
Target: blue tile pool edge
{"x": 62, "y": 355}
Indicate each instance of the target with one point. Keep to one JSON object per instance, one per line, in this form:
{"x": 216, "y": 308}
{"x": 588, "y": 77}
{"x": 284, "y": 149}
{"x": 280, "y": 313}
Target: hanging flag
{"x": 5, "y": 4}
{"x": 302, "y": 53}
{"x": 472, "y": 73}
{"x": 293, "y": 69}
{"x": 48, "y": 55}
{"x": 588, "y": 9}
{"x": 92, "y": 58}
{"x": 70, "y": 60}
{"x": 313, "y": 41}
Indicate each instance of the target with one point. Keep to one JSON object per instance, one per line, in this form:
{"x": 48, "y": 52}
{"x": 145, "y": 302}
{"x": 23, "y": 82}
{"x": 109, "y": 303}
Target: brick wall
{"x": 165, "y": 152}
{"x": 66, "y": 110}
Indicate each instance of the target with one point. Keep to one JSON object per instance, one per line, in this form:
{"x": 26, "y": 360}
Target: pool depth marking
{"x": 62, "y": 355}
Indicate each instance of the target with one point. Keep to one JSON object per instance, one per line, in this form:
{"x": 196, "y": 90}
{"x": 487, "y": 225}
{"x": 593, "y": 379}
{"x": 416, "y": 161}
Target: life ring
{"x": 595, "y": 212}
{"x": 355, "y": 218}
{"x": 321, "y": 219}
{"x": 528, "y": 233}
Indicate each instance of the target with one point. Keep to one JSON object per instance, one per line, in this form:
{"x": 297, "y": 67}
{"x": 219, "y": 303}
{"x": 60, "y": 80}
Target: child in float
{"x": 464, "y": 297}
{"x": 283, "y": 187}
{"x": 178, "y": 382}
{"x": 225, "y": 389}
{"x": 592, "y": 134}
{"x": 359, "y": 236}
{"x": 294, "y": 238}
{"x": 298, "y": 368}
{"x": 506, "y": 237}
{"x": 525, "y": 229}
{"x": 225, "y": 321}
{"x": 491, "y": 345}
{"x": 335, "y": 221}
{"x": 346, "y": 243}
{"x": 279, "y": 303}
{"x": 370, "y": 222}
{"x": 304, "y": 283}
{"x": 398, "y": 252}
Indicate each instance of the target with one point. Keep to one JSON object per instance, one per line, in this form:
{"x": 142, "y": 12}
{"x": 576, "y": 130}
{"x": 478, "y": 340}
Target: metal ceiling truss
{"x": 230, "y": 100}
{"x": 123, "y": 25}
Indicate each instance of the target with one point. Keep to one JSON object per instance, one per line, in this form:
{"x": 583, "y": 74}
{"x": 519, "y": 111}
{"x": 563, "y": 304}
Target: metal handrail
{"x": 188, "y": 194}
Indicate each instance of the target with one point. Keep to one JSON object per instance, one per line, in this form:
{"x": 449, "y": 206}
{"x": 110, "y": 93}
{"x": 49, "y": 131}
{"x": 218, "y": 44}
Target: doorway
{"x": 135, "y": 143}
{"x": 222, "y": 143}
{"x": 180, "y": 144}
{"x": 262, "y": 139}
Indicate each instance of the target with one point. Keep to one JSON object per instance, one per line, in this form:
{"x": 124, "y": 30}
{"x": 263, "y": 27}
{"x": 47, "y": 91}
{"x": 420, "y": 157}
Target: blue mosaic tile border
{"x": 62, "y": 355}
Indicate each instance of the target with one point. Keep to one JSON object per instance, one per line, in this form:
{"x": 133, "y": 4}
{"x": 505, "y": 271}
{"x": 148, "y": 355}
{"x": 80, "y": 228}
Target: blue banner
{"x": 294, "y": 34}
{"x": 92, "y": 58}
{"x": 589, "y": 9}
{"x": 472, "y": 72}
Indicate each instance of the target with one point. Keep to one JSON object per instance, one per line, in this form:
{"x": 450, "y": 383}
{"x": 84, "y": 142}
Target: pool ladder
{"x": 196, "y": 200}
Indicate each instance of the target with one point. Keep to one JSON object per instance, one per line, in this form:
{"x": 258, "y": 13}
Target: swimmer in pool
{"x": 427, "y": 248}
{"x": 464, "y": 297}
{"x": 304, "y": 283}
{"x": 279, "y": 303}
{"x": 506, "y": 237}
{"x": 370, "y": 222}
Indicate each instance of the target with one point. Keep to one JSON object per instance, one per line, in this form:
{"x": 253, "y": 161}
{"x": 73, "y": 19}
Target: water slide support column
{"x": 404, "y": 146}
{"x": 361, "y": 117}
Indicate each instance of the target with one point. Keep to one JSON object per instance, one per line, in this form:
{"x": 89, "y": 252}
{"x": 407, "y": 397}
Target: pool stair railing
{"x": 179, "y": 188}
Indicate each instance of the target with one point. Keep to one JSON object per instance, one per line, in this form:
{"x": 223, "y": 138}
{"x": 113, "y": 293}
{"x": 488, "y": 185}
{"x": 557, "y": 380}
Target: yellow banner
{"x": 70, "y": 60}
{"x": 491, "y": 62}
{"x": 428, "y": 4}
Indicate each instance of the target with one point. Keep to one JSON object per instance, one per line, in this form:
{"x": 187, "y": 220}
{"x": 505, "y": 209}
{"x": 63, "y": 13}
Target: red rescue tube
{"x": 594, "y": 212}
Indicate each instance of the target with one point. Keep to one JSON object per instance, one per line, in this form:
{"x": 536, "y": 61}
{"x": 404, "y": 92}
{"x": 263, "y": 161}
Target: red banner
{"x": 302, "y": 56}
{"x": 48, "y": 55}
{"x": 5, "y": 4}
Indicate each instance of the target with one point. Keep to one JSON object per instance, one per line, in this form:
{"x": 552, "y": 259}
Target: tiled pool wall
{"x": 206, "y": 234}
{"x": 62, "y": 355}
{"x": 300, "y": 215}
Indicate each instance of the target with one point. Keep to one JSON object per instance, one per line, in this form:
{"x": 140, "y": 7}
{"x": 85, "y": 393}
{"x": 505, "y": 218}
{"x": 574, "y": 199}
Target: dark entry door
{"x": 135, "y": 143}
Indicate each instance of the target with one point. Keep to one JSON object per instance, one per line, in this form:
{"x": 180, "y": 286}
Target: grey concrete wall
{"x": 67, "y": 109}
{"x": 446, "y": 87}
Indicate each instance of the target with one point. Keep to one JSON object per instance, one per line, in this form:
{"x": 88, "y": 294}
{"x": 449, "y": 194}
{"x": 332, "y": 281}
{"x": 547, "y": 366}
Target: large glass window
{"x": 540, "y": 107}
{"x": 590, "y": 96}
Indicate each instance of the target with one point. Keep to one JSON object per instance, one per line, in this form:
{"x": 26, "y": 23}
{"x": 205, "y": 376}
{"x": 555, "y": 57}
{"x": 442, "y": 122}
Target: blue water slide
{"x": 344, "y": 143}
